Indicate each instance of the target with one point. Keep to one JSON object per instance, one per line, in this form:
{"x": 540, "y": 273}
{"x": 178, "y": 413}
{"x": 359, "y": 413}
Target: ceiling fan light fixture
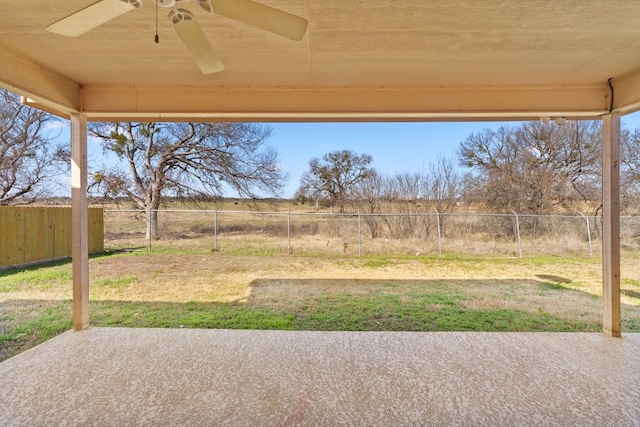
{"x": 258, "y": 15}
{"x": 205, "y": 5}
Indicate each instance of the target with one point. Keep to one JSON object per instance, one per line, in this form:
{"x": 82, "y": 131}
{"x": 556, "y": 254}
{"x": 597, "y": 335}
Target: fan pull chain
{"x": 157, "y": 37}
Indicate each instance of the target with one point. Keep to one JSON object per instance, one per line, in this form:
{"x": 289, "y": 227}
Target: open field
{"x": 380, "y": 234}
{"x": 204, "y": 289}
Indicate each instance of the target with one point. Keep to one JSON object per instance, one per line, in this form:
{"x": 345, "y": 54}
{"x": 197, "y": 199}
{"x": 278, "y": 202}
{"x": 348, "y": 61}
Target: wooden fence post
{"x": 79, "y": 213}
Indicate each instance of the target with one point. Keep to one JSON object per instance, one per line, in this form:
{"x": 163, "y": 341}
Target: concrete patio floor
{"x": 122, "y": 377}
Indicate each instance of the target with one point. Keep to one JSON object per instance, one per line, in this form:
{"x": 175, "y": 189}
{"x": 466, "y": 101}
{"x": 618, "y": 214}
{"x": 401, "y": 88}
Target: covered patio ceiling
{"x": 358, "y": 60}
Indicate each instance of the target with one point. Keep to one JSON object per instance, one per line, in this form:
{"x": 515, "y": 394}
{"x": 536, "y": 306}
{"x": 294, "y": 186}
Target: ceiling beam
{"x": 627, "y": 93}
{"x": 342, "y": 103}
{"x": 45, "y": 89}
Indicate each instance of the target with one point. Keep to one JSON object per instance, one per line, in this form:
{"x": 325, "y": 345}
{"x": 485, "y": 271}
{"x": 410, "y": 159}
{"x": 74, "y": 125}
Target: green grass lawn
{"x": 212, "y": 290}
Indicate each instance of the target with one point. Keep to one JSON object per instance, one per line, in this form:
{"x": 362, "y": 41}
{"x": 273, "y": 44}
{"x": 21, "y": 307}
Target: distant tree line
{"x": 533, "y": 168}
{"x": 364, "y": 189}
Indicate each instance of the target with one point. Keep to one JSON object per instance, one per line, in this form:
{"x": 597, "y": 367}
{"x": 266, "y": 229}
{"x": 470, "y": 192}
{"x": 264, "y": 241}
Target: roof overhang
{"x": 331, "y": 75}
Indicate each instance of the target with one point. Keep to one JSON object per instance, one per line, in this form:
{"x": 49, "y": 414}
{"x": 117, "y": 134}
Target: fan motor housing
{"x": 168, "y": 3}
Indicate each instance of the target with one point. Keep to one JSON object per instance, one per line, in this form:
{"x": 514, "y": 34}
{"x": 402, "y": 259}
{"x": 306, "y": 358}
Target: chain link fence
{"x": 362, "y": 234}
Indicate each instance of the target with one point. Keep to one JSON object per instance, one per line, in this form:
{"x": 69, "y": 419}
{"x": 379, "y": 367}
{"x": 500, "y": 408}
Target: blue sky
{"x": 395, "y": 147}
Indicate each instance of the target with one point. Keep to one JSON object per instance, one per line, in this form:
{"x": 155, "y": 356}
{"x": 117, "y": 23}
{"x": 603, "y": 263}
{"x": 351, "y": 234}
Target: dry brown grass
{"x": 325, "y": 234}
{"x": 564, "y": 288}
{"x": 489, "y": 283}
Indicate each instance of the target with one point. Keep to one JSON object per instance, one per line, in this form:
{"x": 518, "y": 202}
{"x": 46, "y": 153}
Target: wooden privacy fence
{"x": 31, "y": 234}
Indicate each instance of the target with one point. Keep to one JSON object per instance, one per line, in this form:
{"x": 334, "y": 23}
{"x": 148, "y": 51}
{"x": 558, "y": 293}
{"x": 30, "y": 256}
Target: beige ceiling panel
{"x": 123, "y": 50}
{"x": 368, "y": 70}
{"x": 362, "y": 43}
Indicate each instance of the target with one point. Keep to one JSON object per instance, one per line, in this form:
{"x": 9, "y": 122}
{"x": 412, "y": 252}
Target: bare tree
{"x": 407, "y": 192}
{"x": 186, "y": 160}
{"x": 29, "y": 159}
{"x": 413, "y": 195}
{"x": 445, "y": 190}
{"x": 335, "y": 176}
{"x": 630, "y": 171}
{"x": 371, "y": 193}
{"x": 416, "y": 194}
{"x": 533, "y": 168}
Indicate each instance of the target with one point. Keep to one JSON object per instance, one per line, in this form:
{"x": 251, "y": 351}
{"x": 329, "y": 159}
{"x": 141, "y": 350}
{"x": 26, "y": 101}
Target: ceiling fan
{"x": 184, "y": 22}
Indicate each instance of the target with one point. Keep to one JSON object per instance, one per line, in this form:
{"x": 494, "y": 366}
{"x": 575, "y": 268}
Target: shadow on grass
{"x": 413, "y": 305}
{"x": 327, "y": 305}
{"x": 27, "y": 323}
{"x": 630, "y": 293}
{"x": 14, "y": 269}
{"x": 553, "y": 278}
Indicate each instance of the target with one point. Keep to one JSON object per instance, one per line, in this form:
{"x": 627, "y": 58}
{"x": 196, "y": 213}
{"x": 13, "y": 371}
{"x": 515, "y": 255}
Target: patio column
{"x": 79, "y": 213}
{"x": 611, "y": 321}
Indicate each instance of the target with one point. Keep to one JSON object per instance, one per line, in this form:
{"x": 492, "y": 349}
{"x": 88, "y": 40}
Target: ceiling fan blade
{"x": 264, "y": 17}
{"x": 196, "y": 41}
{"x": 92, "y": 16}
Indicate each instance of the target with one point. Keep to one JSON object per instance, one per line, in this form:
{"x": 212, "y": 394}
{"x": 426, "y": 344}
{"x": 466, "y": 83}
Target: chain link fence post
{"x": 289, "y": 232}
{"x": 586, "y": 218}
{"x": 518, "y": 234}
{"x": 149, "y": 232}
{"x": 359, "y": 235}
{"x": 439, "y": 233}
{"x": 215, "y": 230}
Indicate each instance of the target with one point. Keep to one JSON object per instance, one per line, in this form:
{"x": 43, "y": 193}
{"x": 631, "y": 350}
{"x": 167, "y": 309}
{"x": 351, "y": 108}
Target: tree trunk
{"x": 152, "y": 225}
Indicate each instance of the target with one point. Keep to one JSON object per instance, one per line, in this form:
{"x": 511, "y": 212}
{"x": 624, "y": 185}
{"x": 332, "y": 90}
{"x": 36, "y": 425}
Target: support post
{"x": 215, "y": 230}
{"x": 611, "y": 320}
{"x": 149, "y": 230}
{"x": 289, "y": 231}
{"x": 80, "y": 231}
{"x": 439, "y": 233}
{"x": 586, "y": 218}
{"x": 518, "y": 234}
{"x": 359, "y": 234}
